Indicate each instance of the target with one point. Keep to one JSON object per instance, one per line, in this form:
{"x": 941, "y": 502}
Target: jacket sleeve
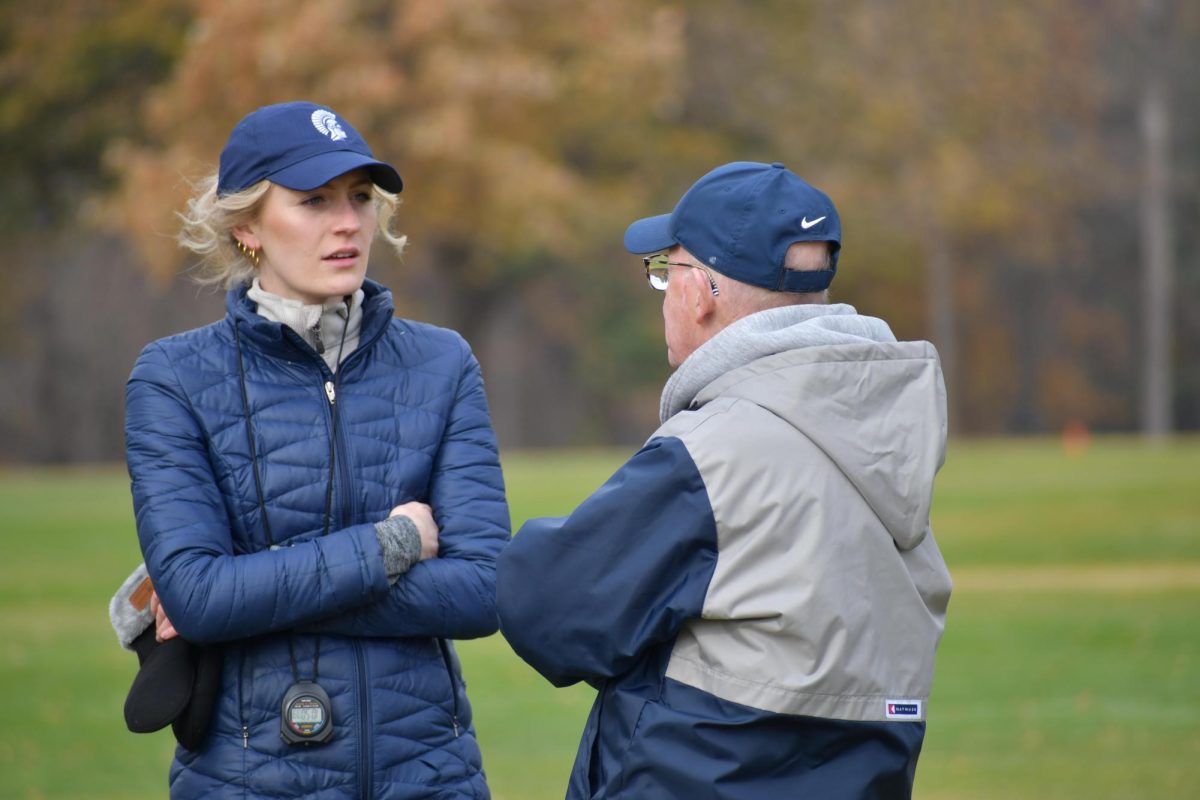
{"x": 210, "y": 593}
{"x": 583, "y": 597}
{"x": 454, "y": 595}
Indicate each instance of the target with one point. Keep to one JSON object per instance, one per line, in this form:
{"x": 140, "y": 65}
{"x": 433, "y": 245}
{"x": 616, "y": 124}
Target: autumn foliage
{"x": 985, "y": 158}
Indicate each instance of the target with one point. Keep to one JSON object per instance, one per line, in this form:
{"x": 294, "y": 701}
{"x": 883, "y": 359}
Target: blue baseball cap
{"x": 740, "y": 219}
{"x": 299, "y": 146}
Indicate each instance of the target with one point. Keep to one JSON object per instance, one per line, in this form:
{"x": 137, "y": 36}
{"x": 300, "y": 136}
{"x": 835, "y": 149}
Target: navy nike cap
{"x": 299, "y": 146}
{"x": 740, "y": 219}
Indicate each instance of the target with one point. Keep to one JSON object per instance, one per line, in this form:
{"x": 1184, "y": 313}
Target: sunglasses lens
{"x": 656, "y": 271}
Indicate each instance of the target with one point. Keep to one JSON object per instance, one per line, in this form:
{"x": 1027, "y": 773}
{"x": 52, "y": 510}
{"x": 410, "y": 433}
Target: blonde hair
{"x": 209, "y": 220}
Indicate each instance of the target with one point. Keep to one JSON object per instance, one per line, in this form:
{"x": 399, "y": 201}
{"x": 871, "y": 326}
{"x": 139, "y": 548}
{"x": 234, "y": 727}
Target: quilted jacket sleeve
{"x": 454, "y": 595}
{"x": 585, "y": 596}
{"x": 209, "y": 593}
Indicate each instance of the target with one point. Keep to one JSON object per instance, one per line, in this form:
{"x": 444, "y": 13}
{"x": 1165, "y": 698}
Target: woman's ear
{"x": 245, "y": 235}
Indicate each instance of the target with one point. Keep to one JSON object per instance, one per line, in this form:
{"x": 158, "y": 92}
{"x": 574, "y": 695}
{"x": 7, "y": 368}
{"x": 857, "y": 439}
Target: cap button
{"x": 777, "y": 165}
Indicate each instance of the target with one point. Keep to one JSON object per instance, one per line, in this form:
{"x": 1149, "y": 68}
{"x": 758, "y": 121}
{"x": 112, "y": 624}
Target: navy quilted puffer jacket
{"x": 412, "y": 424}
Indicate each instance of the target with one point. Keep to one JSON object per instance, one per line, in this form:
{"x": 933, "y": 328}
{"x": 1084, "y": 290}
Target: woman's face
{"x": 314, "y": 245}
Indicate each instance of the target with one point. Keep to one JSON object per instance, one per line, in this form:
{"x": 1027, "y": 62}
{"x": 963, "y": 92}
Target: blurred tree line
{"x": 1016, "y": 182}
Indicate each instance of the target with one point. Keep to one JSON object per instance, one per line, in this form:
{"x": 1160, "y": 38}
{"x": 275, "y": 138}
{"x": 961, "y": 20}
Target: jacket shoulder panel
{"x": 811, "y": 609}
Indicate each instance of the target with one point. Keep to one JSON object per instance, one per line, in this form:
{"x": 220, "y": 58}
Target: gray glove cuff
{"x": 129, "y": 609}
{"x": 401, "y": 545}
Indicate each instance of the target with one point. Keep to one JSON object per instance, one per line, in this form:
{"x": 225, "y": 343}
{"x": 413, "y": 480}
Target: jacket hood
{"x": 875, "y": 406}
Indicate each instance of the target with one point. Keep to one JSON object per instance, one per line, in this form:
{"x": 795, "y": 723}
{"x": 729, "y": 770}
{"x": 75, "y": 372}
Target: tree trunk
{"x": 941, "y": 311}
{"x": 1157, "y": 251}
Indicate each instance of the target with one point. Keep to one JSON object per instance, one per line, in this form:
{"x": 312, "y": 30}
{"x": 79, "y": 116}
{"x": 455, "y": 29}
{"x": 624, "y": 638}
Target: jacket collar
{"x": 277, "y": 339}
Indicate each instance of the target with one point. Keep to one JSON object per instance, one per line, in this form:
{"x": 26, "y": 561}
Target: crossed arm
{"x": 334, "y": 583}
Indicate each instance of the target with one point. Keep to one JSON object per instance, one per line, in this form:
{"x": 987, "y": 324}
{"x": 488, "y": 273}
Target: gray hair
{"x": 741, "y": 299}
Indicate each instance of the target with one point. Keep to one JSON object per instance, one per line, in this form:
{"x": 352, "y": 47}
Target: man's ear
{"x": 700, "y": 296}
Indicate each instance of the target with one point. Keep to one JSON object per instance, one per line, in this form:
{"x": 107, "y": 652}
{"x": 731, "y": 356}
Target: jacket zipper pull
{"x": 454, "y": 721}
{"x": 330, "y": 393}
{"x": 245, "y": 738}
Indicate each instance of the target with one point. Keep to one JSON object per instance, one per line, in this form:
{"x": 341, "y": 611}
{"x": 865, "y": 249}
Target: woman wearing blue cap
{"x": 317, "y": 487}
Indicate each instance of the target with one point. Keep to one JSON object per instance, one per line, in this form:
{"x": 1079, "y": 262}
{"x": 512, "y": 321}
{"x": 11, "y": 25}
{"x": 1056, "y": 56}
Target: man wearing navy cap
{"x": 756, "y": 594}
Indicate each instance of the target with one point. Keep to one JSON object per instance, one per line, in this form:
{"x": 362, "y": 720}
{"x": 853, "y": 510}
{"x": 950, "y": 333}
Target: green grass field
{"x": 1070, "y": 666}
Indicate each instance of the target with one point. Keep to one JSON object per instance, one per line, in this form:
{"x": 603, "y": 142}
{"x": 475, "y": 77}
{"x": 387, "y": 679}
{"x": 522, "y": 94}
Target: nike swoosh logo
{"x": 805, "y": 224}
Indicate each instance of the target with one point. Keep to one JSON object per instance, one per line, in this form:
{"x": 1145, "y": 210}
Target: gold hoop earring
{"x": 247, "y": 252}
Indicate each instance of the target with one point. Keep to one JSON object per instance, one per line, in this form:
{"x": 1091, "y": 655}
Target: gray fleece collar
{"x": 766, "y": 333}
{"x": 319, "y": 325}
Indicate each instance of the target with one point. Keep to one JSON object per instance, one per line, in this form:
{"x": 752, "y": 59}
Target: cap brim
{"x": 650, "y": 235}
{"x": 324, "y": 167}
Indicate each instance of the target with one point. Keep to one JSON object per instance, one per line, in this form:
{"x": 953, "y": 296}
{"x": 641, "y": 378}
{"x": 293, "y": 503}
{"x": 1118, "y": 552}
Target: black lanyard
{"x": 306, "y": 706}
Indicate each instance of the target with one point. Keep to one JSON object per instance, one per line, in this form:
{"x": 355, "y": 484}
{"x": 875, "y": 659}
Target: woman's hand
{"x": 163, "y": 629}
{"x": 422, "y": 516}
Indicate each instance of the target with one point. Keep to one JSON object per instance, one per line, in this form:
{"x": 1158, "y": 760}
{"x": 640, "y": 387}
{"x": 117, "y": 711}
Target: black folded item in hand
{"x": 162, "y": 688}
{"x": 192, "y": 723}
{"x": 177, "y": 681}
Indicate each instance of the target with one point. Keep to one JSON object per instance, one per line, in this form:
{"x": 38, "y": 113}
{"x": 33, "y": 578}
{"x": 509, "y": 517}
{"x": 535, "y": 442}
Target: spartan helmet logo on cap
{"x": 327, "y": 123}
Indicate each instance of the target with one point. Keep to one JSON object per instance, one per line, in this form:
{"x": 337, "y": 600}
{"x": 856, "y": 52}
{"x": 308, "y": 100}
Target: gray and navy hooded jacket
{"x": 756, "y": 594}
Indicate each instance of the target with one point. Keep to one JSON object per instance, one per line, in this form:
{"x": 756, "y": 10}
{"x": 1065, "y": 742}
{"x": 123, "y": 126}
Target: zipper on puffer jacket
{"x": 342, "y": 460}
{"x": 342, "y": 467}
{"x": 364, "y": 723}
{"x": 241, "y": 699}
{"x": 444, "y": 646}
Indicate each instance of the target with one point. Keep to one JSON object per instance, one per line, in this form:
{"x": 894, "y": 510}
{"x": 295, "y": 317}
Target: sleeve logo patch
{"x": 902, "y": 709}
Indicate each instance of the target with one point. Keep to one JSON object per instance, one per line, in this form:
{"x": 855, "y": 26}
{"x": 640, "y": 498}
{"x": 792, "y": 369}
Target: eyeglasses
{"x": 657, "y": 269}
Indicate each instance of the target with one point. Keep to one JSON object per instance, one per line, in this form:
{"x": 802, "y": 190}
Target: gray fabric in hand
{"x": 400, "y": 542}
{"x": 129, "y": 614}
